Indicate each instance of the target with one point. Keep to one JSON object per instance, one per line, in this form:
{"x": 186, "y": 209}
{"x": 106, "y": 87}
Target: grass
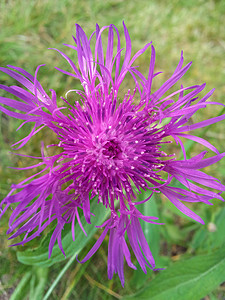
{"x": 28, "y": 29}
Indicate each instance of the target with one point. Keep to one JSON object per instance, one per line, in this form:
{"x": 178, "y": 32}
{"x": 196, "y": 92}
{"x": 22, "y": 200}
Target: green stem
{"x": 69, "y": 263}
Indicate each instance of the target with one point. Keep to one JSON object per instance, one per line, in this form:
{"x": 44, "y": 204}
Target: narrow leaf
{"x": 152, "y": 235}
{"x": 39, "y": 256}
{"x": 187, "y": 279}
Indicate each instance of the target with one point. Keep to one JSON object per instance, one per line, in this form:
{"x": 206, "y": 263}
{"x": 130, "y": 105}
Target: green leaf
{"x": 151, "y": 231}
{"x": 39, "y": 256}
{"x": 152, "y": 235}
{"x": 187, "y": 279}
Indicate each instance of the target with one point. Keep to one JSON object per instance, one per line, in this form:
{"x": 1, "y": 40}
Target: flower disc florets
{"x": 111, "y": 149}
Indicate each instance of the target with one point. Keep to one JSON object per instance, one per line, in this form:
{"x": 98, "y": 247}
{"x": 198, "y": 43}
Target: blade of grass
{"x": 22, "y": 288}
{"x": 101, "y": 286}
{"x": 75, "y": 275}
{"x": 56, "y": 281}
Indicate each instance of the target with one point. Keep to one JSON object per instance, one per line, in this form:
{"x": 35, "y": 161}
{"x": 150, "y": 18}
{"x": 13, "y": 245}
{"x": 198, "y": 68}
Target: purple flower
{"x": 111, "y": 148}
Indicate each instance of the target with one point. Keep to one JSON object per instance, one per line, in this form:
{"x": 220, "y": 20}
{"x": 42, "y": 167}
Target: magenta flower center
{"x": 112, "y": 150}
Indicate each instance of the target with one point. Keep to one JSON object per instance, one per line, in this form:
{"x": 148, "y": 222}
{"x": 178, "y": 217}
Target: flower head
{"x": 111, "y": 148}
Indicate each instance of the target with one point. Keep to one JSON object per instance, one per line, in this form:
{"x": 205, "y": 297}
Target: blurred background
{"x": 27, "y": 30}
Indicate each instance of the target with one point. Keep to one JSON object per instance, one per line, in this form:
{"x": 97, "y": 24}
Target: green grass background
{"x": 27, "y": 30}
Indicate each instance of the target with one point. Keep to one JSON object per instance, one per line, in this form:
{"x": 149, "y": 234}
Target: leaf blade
{"x": 39, "y": 256}
{"x": 194, "y": 278}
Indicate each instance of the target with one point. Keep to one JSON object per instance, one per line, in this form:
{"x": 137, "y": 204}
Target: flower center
{"x": 112, "y": 149}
